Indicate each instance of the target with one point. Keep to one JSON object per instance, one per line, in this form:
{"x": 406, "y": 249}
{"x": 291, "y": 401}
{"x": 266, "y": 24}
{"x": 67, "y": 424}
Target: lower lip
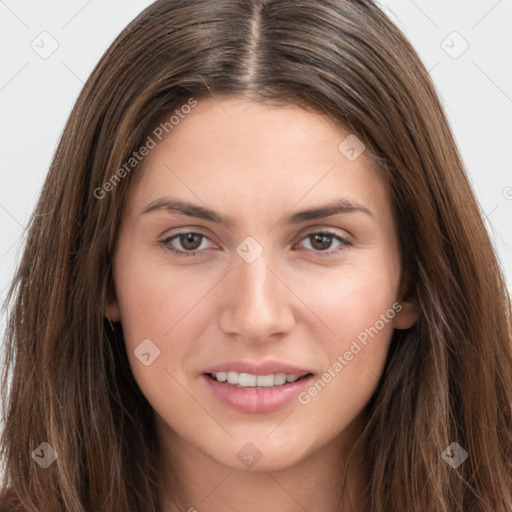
{"x": 256, "y": 400}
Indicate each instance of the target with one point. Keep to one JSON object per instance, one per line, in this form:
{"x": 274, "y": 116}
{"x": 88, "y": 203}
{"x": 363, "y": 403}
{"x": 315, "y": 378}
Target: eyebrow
{"x": 171, "y": 204}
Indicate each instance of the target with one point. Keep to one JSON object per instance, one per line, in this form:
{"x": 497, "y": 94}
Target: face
{"x": 258, "y": 282}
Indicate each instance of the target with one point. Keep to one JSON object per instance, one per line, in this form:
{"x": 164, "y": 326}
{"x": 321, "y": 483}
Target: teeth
{"x": 279, "y": 379}
{"x": 221, "y": 376}
{"x": 245, "y": 380}
{"x": 265, "y": 381}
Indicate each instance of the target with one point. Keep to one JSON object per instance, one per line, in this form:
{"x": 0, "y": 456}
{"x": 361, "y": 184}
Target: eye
{"x": 192, "y": 243}
{"x": 320, "y": 241}
{"x": 189, "y": 241}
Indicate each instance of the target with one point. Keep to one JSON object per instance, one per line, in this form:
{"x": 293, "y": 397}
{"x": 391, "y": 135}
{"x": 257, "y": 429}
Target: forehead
{"x": 243, "y": 152}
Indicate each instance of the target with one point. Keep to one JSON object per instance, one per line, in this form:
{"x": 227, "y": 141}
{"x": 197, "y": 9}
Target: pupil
{"x": 324, "y": 240}
{"x": 187, "y": 241}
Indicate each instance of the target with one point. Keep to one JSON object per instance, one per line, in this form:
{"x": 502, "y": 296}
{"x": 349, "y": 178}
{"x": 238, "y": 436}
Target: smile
{"x": 252, "y": 393}
{"x": 246, "y": 380}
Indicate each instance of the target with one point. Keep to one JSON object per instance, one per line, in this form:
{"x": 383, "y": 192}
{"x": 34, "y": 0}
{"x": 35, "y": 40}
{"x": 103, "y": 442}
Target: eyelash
{"x": 344, "y": 242}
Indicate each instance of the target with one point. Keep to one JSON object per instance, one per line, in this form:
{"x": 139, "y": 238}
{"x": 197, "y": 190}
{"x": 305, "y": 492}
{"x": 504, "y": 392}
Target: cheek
{"x": 157, "y": 335}
{"x": 354, "y": 298}
{"x": 151, "y": 298}
{"x": 155, "y": 305}
{"x": 359, "y": 309}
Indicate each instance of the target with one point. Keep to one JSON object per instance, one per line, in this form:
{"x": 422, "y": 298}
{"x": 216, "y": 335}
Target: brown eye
{"x": 190, "y": 241}
{"x": 322, "y": 241}
{"x": 186, "y": 243}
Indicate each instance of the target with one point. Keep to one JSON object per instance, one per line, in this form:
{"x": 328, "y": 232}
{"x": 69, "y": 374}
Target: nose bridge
{"x": 256, "y": 305}
{"x": 256, "y": 282}
{"x": 252, "y": 269}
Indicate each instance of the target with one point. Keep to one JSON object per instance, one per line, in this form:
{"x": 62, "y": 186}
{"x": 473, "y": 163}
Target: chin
{"x": 260, "y": 453}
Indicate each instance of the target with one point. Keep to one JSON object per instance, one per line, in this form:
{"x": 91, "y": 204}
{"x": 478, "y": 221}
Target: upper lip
{"x": 263, "y": 368}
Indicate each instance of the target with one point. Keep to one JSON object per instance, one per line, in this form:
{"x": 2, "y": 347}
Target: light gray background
{"x": 36, "y": 94}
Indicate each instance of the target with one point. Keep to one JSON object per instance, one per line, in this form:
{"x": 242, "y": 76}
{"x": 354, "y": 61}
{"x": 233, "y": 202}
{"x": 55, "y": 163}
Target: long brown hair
{"x": 67, "y": 380}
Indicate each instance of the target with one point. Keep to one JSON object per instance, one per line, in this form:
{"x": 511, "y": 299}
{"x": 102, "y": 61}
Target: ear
{"x": 112, "y": 311}
{"x": 409, "y": 314}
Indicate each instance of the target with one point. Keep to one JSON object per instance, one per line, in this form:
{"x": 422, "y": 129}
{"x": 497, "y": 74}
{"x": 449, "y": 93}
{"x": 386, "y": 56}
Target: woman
{"x": 256, "y": 278}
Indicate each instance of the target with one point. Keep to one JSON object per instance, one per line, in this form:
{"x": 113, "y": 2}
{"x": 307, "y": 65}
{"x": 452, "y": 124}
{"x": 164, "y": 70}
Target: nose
{"x": 257, "y": 304}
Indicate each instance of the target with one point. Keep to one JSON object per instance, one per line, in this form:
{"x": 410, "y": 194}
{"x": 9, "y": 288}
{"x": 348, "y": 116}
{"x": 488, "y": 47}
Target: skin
{"x": 296, "y": 303}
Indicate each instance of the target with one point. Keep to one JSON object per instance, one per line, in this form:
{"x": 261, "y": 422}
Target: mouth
{"x": 251, "y": 380}
{"x": 256, "y": 388}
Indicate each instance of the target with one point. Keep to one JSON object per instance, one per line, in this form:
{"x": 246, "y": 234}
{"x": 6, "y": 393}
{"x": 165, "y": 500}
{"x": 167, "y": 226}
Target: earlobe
{"x": 407, "y": 316}
{"x": 112, "y": 311}
{"x": 409, "y": 312}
